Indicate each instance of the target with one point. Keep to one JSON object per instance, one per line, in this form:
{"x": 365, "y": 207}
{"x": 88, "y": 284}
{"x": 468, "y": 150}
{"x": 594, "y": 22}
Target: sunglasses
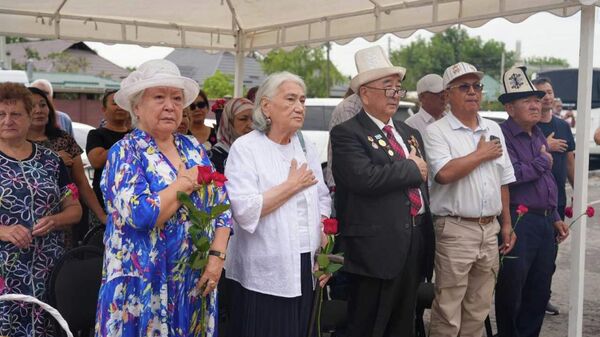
{"x": 465, "y": 87}
{"x": 199, "y": 105}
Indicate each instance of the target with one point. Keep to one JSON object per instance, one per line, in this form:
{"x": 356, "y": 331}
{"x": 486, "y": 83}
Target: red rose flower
{"x": 522, "y": 209}
{"x": 218, "y": 105}
{"x": 219, "y": 179}
{"x": 72, "y": 188}
{"x": 204, "y": 175}
{"x": 569, "y": 212}
{"x": 330, "y": 226}
{"x": 590, "y": 211}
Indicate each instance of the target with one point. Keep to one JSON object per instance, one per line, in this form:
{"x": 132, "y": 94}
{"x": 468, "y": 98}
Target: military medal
{"x": 369, "y": 138}
{"x": 382, "y": 142}
{"x": 378, "y": 136}
{"x": 375, "y": 146}
{"x": 391, "y": 153}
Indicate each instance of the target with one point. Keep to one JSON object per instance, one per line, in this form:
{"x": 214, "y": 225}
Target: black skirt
{"x": 255, "y": 314}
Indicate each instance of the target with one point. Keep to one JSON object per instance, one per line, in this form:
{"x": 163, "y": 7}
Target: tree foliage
{"x": 546, "y": 61}
{"x": 422, "y": 57}
{"x": 308, "y": 63}
{"x": 218, "y": 85}
{"x": 67, "y": 63}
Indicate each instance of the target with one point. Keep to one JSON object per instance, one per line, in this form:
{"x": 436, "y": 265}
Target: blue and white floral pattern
{"x": 148, "y": 288}
{"x": 30, "y": 189}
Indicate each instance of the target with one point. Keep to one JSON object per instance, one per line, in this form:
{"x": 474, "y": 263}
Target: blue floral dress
{"x": 30, "y": 189}
{"x": 148, "y": 288}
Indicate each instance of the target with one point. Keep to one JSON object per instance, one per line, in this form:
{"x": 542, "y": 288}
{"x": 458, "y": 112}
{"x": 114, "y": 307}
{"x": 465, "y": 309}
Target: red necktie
{"x": 413, "y": 193}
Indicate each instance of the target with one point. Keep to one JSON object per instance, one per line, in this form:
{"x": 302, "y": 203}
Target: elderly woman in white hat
{"x": 148, "y": 287}
{"x": 278, "y": 199}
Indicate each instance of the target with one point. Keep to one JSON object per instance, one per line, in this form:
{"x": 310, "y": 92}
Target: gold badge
{"x": 369, "y": 138}
{"x": 391, "y": 153}
{"x": 382, "y": 142}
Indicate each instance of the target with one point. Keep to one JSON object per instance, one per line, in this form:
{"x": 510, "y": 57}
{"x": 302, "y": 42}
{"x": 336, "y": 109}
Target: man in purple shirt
{"x": 523, "y": 287}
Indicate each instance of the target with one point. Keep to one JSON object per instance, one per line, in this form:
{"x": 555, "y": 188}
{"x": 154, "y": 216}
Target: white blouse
{"x": 264, "y": 252}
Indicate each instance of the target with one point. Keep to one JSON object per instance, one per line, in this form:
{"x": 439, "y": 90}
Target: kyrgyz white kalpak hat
{"x": 430, "y": 83}
{"x": 516, "y": 84}
{"x": 372, "y": 64}
{"x": 460, "y": 69}
{"x": 155, "y": 73}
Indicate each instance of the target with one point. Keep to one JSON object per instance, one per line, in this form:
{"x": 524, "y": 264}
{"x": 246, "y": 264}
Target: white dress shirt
{"x": 400, "y": 141}
{"x": 478, "y": 193}
{"x": 421, "y": 120}
{"x": 264, "y": 253}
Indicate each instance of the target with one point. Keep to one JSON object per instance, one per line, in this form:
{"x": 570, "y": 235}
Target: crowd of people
{"x": 436, "y": 198}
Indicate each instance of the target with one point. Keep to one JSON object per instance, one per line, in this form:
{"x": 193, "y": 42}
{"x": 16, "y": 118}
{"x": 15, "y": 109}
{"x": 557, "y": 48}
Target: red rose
{"x": 569, "y": 212}
{"x": 204, "y": 175}
{"x": 219, "y": 179}
{"x": 590, "y": 211}
{"x": 330, "y": 226}
{"x": 72, "y": 189}
{"x": 522, "y": 209}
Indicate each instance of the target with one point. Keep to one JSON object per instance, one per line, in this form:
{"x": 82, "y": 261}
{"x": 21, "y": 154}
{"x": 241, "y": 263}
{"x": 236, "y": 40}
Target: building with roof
{"x": 78, "y": 94}
{"x": 199, "y": 65}
{"x": 59, "y": 55}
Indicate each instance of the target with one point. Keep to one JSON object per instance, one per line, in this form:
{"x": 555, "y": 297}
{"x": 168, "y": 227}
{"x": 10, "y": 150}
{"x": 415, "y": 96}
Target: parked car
{"x": 318, "y": 114}
{"x": 80, "y": 133}
{"x": 16, "y": 76}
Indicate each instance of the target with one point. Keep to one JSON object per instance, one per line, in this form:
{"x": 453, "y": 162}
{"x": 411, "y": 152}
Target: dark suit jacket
{"x": 372, "y": 199}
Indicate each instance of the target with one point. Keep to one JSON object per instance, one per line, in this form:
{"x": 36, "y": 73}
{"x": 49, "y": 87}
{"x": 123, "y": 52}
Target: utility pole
{"x": 502, "y": 60}
{"x": 4, "y": 64}
{"x": 328, "y": 46}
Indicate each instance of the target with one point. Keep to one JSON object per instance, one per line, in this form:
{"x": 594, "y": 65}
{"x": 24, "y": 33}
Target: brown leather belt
{"x": 484, "y": 220}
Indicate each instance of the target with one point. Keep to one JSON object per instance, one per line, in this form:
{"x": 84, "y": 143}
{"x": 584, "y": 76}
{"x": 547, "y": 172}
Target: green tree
{"x": 67, "y": 63}
{"x": 308, "y": 63}
{"x": 218, "y": 85}
{"x": 449, "y": 47}
{"x": 544, "y": 61}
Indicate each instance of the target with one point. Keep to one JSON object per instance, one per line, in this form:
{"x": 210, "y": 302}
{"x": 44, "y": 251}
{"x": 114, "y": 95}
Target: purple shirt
{"x": 535, "y": 186}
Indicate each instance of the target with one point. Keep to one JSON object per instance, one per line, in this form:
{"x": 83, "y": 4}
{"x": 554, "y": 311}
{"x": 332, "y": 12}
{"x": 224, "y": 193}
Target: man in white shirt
{"x": 347, "y": 109}
{"x": 432, "y": 97}
{"x": 470, "y": 171}
{"x": 63, "y": 119}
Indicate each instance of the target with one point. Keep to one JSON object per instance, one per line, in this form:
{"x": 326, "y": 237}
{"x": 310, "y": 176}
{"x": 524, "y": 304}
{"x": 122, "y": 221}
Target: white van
{"x": 16, "y": 76}
{"x": 318, "y": 114}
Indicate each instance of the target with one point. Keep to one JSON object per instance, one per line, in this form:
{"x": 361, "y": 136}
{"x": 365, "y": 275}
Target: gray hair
{"x": 135, "y": 100}
{"x": 268, "y": 89}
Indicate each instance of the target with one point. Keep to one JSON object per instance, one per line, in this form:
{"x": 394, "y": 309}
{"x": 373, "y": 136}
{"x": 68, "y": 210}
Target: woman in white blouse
{"x": 278, "y": 199}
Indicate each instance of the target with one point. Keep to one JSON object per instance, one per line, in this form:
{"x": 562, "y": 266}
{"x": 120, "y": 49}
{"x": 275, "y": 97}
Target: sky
{"x": 542, "y": 34}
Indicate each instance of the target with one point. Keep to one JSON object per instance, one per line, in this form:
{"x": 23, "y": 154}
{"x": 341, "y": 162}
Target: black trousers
{"x": 255, "y": 314}
{"x": 523, "y": 287}
{"x": 386, "y": 308}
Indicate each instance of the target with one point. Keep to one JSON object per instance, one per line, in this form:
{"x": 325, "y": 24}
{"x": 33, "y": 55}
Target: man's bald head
{"x": 45, "y": 86}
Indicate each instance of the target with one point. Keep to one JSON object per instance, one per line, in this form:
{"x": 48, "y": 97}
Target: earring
{"x": 268, "y": 120}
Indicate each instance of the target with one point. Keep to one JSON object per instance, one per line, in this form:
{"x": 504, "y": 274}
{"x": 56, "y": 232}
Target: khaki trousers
{"x": 466, "y": 265}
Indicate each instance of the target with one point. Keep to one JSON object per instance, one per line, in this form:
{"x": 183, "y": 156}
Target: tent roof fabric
{"x": 255, "y": 25}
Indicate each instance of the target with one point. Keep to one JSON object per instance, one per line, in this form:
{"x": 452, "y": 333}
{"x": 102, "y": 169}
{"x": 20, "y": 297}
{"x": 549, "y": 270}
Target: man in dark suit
{"x": 382, "y": 203}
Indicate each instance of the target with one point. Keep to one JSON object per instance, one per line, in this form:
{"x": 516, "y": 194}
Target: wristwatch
{"x": 218, "y": 254}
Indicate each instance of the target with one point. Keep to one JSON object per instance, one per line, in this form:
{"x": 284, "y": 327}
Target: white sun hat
{"x": 155, "y": 73}
{"x": 372, "y": 64}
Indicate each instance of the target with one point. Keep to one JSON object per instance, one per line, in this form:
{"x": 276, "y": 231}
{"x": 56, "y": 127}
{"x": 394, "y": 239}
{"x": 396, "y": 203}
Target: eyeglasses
{"x": 391, "y": 92}
{"x": 199, "y": 105}
{"x": 465, "y": 87}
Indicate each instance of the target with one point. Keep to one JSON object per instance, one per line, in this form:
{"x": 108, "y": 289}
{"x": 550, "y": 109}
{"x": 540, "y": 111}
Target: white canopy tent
{"x": 241, "y": 26}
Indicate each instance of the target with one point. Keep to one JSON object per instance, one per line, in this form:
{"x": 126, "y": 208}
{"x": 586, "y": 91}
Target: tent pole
{"x": 238, "y": 86}
{"x": 580, "y": 194}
